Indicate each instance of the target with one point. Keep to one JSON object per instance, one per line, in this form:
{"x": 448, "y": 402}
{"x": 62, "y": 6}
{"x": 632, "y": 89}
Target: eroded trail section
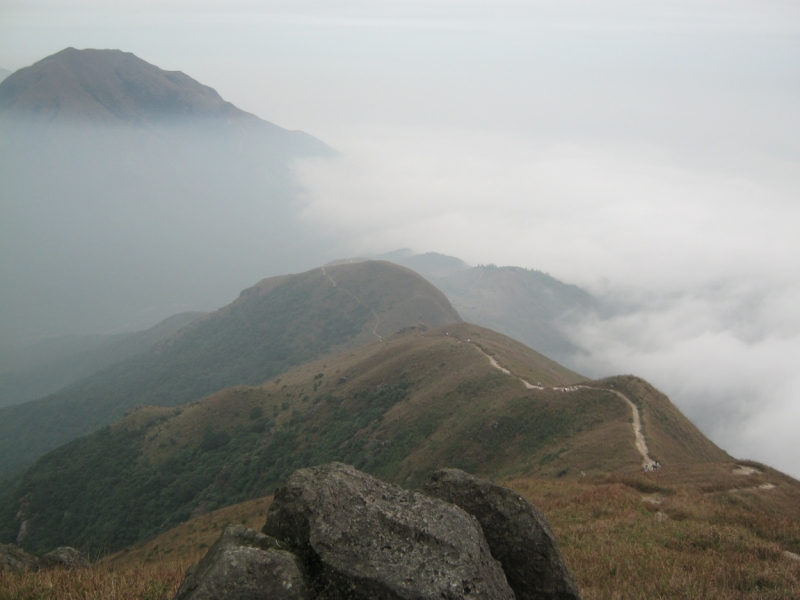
{"x": 641, "y": 443}
{"x": 357, "y": 299}
{"x": 496, "y": 365}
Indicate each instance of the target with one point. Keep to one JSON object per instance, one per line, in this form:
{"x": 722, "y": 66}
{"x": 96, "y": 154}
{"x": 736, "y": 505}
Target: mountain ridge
{"x": 276, "y": 324}
{"x": 399, "y": 408}
{"x": 528, "y": 305}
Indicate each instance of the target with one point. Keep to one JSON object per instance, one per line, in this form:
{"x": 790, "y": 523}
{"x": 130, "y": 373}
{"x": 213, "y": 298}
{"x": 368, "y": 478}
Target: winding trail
{"x": 357, "y": 299}
{"x": 641, "y": 443}
{"x": 496, "y": 365}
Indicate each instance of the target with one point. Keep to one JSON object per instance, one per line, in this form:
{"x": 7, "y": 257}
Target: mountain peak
{"x": 108, "y": 86}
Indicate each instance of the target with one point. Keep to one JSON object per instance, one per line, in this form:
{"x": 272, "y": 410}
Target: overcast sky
{"x": 647, "y": 150}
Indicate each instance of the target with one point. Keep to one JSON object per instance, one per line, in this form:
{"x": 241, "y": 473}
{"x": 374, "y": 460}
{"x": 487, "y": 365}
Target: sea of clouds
{"x": 699, "y": 265}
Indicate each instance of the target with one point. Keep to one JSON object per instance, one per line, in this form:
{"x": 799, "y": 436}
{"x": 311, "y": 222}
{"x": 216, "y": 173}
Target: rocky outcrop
{"x": 516, "y": 531}
{"x": 15, "y": 560}
{"x": 335, "y": 533}
{"x": 244, "y": 564}
{"x": 64, "y": 557}
{"x": 364, "y": 539}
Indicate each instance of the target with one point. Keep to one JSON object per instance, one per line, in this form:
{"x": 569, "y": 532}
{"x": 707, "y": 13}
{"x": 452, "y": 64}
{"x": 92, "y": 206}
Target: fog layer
{"x": 700, "y": 267}
{"x": 131, "y": 193}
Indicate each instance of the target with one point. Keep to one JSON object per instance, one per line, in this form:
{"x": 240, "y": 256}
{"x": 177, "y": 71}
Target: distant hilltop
{"x": 110, "y": 86}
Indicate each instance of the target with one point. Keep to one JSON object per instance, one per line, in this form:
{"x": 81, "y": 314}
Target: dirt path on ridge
{"x": 357, "y": 299}
{"x": 641, "y": 443}
{"x": 496, "y": 365}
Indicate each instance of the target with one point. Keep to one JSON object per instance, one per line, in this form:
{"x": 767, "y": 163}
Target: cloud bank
{"x": 701, "y": 264}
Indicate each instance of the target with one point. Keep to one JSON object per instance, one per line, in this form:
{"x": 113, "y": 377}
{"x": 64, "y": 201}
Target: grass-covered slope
{"x": 397, "y": 408}
{"x": 277, "y": 324}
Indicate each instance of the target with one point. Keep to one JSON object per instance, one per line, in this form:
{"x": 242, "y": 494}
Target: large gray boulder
{"x": 363, "y": 539}
{"x": 244, "y": 564}
{"x": 517, "y": 533}
{"x": 64, "y": 557}
{"x": 14, "y": 559}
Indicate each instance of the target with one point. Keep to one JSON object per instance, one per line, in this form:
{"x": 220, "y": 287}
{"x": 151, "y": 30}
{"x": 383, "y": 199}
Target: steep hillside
{"x": 129, "y": 190}
{"x": 277, "y": 324}
{"x": 459, "y": 395}
{"x": 51, "y": 365}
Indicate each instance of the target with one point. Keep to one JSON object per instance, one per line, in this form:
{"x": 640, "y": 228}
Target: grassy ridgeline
{"x": 101, "y": 493}
{"x": 273, "y": 326}
{"x": 399, "y": 409}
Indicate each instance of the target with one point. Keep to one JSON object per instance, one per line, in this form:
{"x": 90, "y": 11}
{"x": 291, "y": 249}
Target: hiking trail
{"x": 641, "y": 443}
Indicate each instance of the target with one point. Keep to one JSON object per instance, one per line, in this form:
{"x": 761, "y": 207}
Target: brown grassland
{"x": 711, "y": 532}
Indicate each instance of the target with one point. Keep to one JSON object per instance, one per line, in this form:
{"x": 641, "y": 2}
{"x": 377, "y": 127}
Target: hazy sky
{"x": 647, "y": 150}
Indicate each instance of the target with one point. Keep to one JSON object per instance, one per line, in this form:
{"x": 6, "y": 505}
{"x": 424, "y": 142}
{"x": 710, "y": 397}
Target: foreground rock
{"x": 517, "y": 533}
{"x": 244, "y": 564}
{"x": 14, "y": 559}
{"x": 64, "y": 557}
{"x": 363, "y": 539}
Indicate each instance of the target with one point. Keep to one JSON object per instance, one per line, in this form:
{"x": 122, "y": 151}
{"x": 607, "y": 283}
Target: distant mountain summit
{"x": 110, "y": 86}
{"x": 129, "y": 191}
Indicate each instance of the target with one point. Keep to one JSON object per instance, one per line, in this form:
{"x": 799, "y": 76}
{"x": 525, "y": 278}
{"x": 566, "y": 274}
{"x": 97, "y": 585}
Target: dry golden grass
{"x": 702, "y": 533}
{"x": 154, "y": 581}
{"x": 674, "y": 542}
{"x": 150, "y": 571}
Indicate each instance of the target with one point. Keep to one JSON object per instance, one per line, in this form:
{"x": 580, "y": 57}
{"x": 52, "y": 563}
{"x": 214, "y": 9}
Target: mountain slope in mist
{"x": 277, "y": 324}
{"x": 50, "y": 365}
{"x": 399, "y": 409}
{"x": 130, "y": 191}
{"x": 4, "y": 73}
{"x": 527, "y": 305}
